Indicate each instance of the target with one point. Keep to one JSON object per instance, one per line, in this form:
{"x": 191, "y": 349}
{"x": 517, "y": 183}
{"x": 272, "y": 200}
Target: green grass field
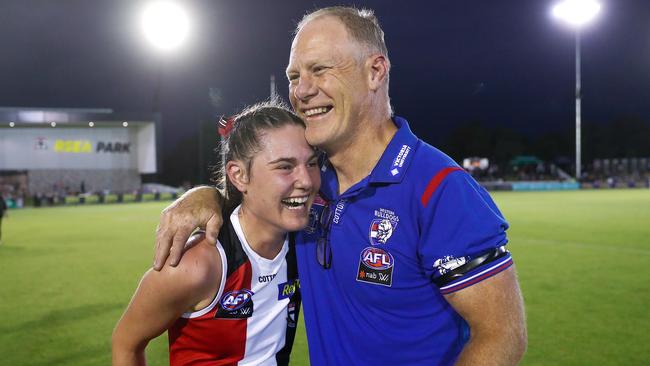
{"x": 67, "y": 273}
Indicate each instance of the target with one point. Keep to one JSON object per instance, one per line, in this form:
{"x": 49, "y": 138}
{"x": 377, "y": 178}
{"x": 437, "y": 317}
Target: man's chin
{"x": 318, "y": 136}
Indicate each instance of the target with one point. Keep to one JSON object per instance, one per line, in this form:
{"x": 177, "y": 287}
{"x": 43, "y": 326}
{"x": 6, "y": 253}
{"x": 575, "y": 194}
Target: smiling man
{"x": 405, "y": 260}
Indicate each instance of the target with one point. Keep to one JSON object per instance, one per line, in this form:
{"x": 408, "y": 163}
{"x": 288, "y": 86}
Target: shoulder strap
{"x": 293, "y": 309}
{"x": 235, "y": 254}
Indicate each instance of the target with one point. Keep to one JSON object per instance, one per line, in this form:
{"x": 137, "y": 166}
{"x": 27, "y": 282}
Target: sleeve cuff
{"x": 478, "y": 274}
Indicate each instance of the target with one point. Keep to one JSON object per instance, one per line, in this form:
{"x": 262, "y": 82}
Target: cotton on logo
{"x": 234, "y": 300}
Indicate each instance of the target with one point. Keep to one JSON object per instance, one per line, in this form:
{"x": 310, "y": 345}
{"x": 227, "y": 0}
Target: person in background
{"x": 3, "y": 213}
{"x": 238, "y": 301}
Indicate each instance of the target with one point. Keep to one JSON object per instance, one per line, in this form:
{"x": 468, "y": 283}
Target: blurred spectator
{"x": 3, "y": 210}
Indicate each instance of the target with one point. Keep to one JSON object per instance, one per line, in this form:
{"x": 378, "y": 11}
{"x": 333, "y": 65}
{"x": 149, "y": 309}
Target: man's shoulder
{"x": 429, "y": 161}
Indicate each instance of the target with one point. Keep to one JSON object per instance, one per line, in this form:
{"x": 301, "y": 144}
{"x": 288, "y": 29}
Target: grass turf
{"x": 67, "y": 273}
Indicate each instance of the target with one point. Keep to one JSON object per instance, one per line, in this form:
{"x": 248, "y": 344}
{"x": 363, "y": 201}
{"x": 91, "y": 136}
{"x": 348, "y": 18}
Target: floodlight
{"x": 91, "y": 124}
{"x": 125, "y": 124}
{"x": 53, "y": 124}
{"x": 576, "y": 12}
{"x": 11, "y": 124}
{"x": 165, "y": 24}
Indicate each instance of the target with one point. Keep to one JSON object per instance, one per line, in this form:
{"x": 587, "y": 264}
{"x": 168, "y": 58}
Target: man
{"x": 405, "y": 264}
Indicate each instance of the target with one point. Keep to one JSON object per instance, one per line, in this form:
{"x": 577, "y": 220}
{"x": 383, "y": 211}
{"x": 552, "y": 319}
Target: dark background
{"x": 486, "y": 78}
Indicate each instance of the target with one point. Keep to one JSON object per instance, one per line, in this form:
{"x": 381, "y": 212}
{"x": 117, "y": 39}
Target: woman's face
{"x": 283, "y": 180}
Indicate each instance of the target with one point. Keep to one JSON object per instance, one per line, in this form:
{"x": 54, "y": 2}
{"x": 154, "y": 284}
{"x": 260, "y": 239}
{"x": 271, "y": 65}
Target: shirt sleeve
{"x": 461, "y": 222}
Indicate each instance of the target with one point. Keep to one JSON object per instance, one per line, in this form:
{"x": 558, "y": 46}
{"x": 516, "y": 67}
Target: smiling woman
{"x": 237, "y": 301}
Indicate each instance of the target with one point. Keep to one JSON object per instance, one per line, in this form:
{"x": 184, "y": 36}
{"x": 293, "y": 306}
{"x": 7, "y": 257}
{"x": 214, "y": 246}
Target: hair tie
{"x": 226, "y": 125}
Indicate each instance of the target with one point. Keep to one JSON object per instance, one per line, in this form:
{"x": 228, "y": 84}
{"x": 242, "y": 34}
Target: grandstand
{"x": 527, "y": 172}
{"x": 61, "y": 152}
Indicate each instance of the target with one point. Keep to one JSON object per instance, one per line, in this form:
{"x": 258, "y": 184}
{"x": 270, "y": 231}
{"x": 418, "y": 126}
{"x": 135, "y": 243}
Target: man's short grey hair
{"x": 362, "y": 25}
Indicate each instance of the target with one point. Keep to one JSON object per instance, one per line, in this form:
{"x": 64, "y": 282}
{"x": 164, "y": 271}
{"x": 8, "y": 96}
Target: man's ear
{"x": 378, "y": 67}
{"x": 237, "y": 175}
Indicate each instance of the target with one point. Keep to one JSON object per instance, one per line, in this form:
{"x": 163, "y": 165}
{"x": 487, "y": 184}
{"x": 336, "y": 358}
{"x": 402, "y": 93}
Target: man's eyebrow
{"x": 292, "y": 69}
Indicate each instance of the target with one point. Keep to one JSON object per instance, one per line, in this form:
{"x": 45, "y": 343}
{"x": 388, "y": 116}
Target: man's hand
{"x": 199, "y": 207}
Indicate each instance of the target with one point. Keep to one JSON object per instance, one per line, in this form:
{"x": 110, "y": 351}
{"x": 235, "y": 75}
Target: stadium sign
{"x": 72, "y": 146}
{"x": 113, "y": 147}
{"x": 85, "y": 146}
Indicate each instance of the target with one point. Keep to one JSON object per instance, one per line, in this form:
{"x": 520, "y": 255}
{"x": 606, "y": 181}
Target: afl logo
{"x": 234, "y": 300}
{"x": 376, "y": 258}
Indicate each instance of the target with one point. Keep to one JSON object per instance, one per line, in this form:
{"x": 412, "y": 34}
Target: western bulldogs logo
{"x": 236, "y": 305}
{"x": 381, "y": 230}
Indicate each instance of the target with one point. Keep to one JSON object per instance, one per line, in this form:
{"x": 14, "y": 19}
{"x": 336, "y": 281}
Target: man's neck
{"x": 356, "y": 159}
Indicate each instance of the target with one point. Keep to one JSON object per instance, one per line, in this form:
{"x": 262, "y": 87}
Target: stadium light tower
{"x": 166, "y": 25}
{"x": 577, "y": 14}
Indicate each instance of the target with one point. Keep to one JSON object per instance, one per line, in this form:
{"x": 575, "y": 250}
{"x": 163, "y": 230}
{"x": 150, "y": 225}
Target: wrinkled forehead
{"x": 321, "y": 38}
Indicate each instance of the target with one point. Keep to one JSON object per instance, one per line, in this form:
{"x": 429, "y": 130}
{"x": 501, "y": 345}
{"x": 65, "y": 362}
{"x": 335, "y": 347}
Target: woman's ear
{"x": 237, "y": 175}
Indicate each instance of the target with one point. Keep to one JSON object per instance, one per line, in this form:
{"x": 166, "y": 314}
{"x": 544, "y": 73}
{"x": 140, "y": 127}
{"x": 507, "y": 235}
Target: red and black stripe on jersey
{"x": 219, "y": 336}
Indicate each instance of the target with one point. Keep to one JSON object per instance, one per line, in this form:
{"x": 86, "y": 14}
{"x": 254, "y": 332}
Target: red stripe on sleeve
{"x": 435, "y": 182}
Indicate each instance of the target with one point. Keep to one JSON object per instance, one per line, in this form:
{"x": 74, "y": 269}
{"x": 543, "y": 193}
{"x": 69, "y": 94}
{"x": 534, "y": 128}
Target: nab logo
{"x": 376, "y": 258}
{"x": 235, "y": 300}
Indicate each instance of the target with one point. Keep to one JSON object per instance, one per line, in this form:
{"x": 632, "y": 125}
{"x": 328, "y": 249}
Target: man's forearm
{"x": 494, "y": 311}
{"x": 198, "y": 207}
{"x": 487, "y": 349}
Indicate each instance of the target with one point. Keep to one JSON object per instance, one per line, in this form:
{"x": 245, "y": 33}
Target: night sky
{"x": 502, "y": 62}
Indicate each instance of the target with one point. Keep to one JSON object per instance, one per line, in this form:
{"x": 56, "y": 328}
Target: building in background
{"x": 67, "y": 151}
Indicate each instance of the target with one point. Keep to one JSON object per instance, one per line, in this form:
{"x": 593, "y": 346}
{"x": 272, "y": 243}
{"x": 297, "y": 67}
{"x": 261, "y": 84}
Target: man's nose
{"x": 305, "y": 89}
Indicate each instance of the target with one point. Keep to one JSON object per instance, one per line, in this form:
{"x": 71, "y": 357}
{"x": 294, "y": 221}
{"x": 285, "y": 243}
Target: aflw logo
{"x": 235, "y": 300}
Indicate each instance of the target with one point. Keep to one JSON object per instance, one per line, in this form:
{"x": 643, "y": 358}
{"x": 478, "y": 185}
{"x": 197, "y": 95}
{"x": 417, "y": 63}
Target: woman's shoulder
{"x": 197, "y": 274}
{"x": 201, "y": 263}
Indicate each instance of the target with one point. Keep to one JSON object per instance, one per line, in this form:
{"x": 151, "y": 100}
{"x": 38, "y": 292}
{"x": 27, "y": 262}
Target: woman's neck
{"x": 263, "y": 238}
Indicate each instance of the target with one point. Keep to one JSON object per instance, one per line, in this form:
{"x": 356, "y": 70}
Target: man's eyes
{"x": 317, "y": 70}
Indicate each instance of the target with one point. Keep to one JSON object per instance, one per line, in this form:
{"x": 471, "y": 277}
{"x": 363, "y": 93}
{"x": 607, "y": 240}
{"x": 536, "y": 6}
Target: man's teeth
{"x": 295, "y": 202}
{"x": 313, "y": 111}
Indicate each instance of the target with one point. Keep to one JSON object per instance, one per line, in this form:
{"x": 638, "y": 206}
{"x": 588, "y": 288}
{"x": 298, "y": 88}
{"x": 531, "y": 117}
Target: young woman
{"x": 238, "y": 302}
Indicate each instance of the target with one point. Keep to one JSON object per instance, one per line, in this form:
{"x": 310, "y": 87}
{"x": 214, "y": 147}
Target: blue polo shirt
{"x": 415, "y": 217}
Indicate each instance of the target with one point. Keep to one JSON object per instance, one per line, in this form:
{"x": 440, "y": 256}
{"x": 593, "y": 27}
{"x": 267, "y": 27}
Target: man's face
{"x": 327, "y": 83}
